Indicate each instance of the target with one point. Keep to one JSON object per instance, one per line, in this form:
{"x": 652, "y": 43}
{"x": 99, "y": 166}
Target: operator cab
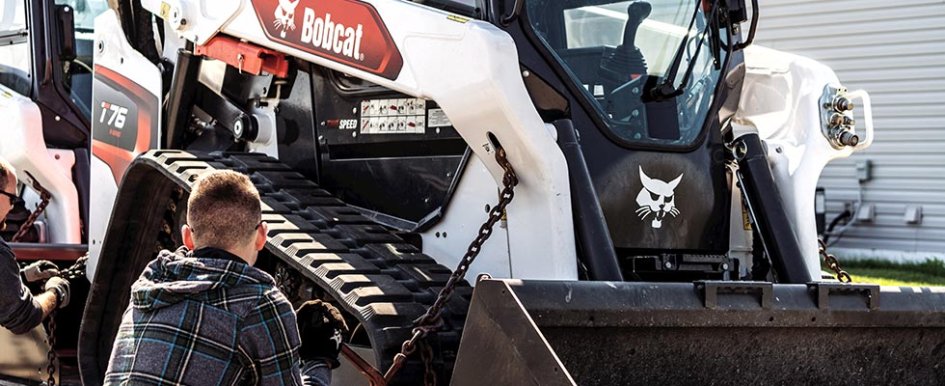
{"x": 640, "y": 81}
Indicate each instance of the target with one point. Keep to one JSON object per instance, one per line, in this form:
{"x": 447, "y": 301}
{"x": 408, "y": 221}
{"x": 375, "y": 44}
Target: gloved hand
{"x": 39, "y": 270}
{"x": 321, "y": 328}
{"x": 60, "y": 287}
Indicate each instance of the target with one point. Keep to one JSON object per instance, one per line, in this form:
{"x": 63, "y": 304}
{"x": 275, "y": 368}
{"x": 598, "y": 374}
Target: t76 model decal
{"x": 346, "y": 31}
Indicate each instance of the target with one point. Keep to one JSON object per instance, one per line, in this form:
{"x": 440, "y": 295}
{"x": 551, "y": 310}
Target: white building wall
{"x": 896, "y": 51}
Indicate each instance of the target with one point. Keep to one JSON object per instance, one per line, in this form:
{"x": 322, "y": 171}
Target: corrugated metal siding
{"x": 896, "y": 51}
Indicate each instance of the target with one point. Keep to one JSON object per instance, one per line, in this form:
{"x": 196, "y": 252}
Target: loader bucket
{"x": 605, "y": 333}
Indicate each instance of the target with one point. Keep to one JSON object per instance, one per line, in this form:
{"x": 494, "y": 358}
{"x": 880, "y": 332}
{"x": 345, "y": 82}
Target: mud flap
{"x": 599, "y": 333}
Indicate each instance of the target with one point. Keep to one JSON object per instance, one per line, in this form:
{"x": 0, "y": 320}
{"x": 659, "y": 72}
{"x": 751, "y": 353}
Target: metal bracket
{"x": 824, "y": 290}
{"x": 247, "y": 57}
{"x": 712, "y": 289}
{"x": 836, "y": 118}
{"x": 514, "y": 14}
{"x": 753, "y": 28}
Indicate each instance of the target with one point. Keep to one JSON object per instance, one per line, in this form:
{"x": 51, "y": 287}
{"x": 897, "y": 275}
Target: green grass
{"x": 925, "y": 274}
{"x": 893, "y": 277}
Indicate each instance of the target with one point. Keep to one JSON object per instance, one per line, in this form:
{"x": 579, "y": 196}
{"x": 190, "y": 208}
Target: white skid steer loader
{"x": 647, "y": 178}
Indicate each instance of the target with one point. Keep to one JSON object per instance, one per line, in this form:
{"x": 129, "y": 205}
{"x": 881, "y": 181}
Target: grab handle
{"x": 864, "y": 98}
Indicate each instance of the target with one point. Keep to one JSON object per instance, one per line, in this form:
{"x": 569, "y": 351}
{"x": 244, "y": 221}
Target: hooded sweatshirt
{"x": 208, "y": 318}
{"x": 19, "y": 312}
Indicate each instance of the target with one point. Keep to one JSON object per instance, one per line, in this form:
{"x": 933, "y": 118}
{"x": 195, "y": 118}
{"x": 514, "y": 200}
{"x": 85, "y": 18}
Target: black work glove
{"x": 321, "y": 328}
{"x": 39, "y": 271}
{"x": 60, "y": 287}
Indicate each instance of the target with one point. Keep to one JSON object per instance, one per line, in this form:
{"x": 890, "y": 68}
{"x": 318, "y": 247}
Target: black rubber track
{"x": 376, "y": 277}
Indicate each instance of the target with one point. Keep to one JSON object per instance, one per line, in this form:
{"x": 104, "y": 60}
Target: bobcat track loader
{"x": 647, "y": 178}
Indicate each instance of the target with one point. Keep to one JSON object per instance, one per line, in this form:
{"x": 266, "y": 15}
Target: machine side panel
{"x": 126, "y": 120}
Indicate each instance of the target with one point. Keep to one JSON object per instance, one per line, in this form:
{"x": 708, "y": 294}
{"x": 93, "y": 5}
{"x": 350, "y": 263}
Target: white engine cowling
{"x": 783, "y": 99}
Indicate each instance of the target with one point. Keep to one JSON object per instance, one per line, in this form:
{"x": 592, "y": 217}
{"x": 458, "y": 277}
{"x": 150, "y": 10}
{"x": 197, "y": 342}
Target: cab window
{"x": 15, "y": 62}
{"x": 648, "y": 67}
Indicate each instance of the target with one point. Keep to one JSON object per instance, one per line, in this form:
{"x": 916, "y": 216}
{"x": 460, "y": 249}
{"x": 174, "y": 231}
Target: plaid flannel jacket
{"x": 205, "y": 318}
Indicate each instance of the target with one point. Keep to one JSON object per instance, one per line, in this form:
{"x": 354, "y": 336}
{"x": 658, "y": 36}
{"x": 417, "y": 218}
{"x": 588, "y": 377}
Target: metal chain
{"x": 44, "y": 196}
{"x": 426, "y": 355}
{"x": 74, "y": 271}
{"x": 833, "y": 263}
{"x": 51, "y": 356}
{"x": 77, "y": 270}
{"x": 431, "y": 319}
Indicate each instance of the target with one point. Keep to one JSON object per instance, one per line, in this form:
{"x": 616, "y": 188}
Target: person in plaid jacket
{"x": 203, "y": 315}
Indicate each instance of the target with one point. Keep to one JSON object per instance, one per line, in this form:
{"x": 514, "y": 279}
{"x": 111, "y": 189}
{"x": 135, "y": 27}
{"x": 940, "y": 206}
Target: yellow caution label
{"x": 746, "y": 220}
{"x": 458, "y": 19}
{"x": 6, "y": 98}
{"x": 165, "y": 10}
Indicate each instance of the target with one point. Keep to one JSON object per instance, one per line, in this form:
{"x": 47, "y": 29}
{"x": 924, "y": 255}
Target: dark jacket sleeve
{"x": 19, "y": 312}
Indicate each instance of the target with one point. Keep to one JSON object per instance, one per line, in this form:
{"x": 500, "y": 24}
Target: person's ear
{"x": 261, "y": 234}
{"x": 187, "y": 234}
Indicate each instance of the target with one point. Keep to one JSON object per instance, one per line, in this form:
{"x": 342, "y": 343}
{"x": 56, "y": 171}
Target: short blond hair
{"x": 223, "y": 209}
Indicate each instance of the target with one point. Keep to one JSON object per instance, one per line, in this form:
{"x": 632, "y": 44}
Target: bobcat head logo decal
{"x": 285, "y": 16}
{"x": 657, "y": 198}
